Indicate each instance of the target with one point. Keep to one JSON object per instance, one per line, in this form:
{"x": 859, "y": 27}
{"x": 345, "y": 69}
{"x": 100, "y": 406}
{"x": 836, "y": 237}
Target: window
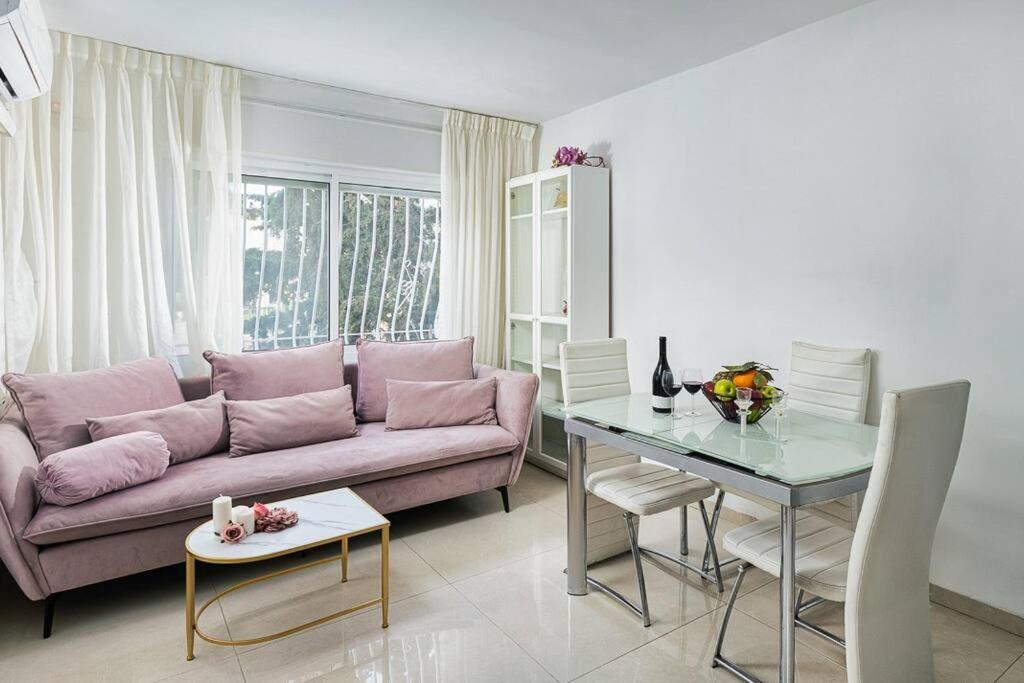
{"x": 287, "y": 263}
{"x": 385, "y": 285}
{"x": 389, "y": 257}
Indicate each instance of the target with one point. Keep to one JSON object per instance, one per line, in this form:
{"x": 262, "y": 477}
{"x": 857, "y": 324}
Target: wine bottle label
{"x": 663, "y": 402}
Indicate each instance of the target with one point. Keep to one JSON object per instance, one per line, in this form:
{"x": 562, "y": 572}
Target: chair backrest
{"x": 888, "y": 629}
{"x": 829, "y": 381}
{"x": 593, "y": 369}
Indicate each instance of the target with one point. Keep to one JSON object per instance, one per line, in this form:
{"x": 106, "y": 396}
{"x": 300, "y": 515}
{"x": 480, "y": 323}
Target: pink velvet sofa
{"x": 49, "y": 549}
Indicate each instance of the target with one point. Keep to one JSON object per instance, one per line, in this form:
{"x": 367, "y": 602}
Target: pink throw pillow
{"x": 414, "y": 405}
{"x": 257, "y": 375}
{"x": 85, "y": 472}
{"x": 412, "y": 361}
{"x": 290, "y": 421}
{"x": 55, "y": 406}
{"x": 191, "y": 429}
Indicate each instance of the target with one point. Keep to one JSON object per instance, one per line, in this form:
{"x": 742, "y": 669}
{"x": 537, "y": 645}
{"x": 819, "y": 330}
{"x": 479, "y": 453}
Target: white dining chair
{"x": 834, "y": 382}
{"x": 880, "y": 570}
{"x": 618, "y": 483}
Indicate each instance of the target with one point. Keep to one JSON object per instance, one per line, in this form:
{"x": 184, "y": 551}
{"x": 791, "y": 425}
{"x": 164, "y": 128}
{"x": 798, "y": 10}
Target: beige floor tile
{"x": 131, "y": 629}
{"x": 1015, "y": 674}
{"x": 295, "y": 598}
{"x": 436, "y": 636}
{"x": 471, "y": 535}
{"x": 223, "y": 670}
{"x": 685, "y": 655}
{"x": 541, "y": 487}
{"x": 968, "y": 650}
{"x": 572, "y": 635}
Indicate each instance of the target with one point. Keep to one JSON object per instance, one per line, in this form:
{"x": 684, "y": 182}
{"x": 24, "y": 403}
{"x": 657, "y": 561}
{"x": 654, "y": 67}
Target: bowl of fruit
{"x": 721, "y": 390}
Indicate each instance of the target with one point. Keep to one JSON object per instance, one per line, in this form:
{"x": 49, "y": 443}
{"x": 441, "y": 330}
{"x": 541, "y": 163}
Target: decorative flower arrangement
{"x": 269, "y": 520}
{"x": 233, "y": 533}
{"x": 574, "y": 156}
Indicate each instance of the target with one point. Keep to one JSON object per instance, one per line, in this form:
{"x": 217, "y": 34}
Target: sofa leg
{"x": 503, "y": 490}
{"x": 48, "y": 606}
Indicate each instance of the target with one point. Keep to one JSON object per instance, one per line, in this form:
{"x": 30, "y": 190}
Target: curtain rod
{"x": 317, "y": 84}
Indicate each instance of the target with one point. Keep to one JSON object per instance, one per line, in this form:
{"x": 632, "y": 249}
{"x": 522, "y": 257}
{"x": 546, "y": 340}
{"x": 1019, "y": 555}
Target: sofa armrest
{"x": 18, "y": 465}
{"x": 514, "y": 404}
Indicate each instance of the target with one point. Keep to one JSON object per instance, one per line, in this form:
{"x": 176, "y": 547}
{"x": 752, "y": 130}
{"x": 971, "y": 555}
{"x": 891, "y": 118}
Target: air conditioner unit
{"x": 26, "y": 56}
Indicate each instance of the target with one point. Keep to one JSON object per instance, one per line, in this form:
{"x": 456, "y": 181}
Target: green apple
{"x": 768, "y": 392}
{"x": 725, "y": 389}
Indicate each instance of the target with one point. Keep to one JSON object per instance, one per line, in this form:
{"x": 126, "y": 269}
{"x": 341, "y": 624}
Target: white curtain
{"x": 478, "y": 155}
{"x": 120, "y": 204}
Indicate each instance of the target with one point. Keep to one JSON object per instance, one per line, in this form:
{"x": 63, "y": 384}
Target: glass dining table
{"x": 817, "y": 459}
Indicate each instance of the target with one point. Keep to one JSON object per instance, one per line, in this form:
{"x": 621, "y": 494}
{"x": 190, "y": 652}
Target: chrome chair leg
{"x": 808, "y": 626}
{"x": 719, "y": 659}
{"x": 710, "y": 531}
{"x": 719, "y": 499}
{"x": 712, "y": 572}
{"x": 634, "y": 546}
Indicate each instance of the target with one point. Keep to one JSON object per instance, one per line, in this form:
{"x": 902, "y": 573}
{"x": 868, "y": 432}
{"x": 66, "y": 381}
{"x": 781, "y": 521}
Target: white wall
{"x": 297, "y": 125}
{"x": 856, "y": 182}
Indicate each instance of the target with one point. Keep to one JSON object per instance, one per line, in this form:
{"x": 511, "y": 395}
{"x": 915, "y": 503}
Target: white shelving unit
{"x": 557, "y": 287}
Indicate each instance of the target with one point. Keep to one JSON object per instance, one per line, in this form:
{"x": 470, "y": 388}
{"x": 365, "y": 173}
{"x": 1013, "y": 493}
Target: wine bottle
{"x": 661, "y": 402}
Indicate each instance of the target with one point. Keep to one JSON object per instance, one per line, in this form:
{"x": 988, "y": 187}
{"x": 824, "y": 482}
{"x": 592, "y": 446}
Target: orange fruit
{"x": 744, "y": 379}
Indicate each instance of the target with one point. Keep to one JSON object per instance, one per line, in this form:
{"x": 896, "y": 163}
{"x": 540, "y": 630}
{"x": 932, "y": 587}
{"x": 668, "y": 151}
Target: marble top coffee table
{"x": 324, "y": 518}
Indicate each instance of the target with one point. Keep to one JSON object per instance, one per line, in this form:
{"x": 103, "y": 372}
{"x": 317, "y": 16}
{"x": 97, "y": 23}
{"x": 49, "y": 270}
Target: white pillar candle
{"x": 245, "y": 517}
{"x": 221, "y": 513}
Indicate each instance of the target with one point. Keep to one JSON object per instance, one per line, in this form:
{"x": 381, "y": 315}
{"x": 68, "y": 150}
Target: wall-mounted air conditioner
{"x": 26, "y": 56}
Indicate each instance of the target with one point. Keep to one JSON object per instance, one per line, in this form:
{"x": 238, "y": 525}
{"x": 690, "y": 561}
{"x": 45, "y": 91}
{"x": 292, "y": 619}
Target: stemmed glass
{"x": 779, "y": 405}
{"x": 672, "y": 383}
{"x": 744, "y": 399}
{"x": 692, "y": 381}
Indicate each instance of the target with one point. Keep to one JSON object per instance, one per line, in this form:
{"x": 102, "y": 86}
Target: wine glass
{"x": 744, "y": 399}
{"x": 672, "y": 383}
{"x": 779, "y": 405}
{"x": 692, "y": 381}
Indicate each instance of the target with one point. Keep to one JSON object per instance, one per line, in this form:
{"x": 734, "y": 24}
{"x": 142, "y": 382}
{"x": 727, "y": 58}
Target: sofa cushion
{"x": 422, "y": 361}
{"x": 289, "y": 421}
{"x": 187, "y": 490}
{"x": 94, "y": 469}
{"x": 55, "y": 406}
{"x": 270, "y": 374}
{"x": 415, "y": 405}
{"x": 191, "y": 429}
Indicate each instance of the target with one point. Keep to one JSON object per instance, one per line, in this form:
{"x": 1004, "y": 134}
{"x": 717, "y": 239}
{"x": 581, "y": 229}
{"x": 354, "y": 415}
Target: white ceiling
{"x": 530, "y": 60}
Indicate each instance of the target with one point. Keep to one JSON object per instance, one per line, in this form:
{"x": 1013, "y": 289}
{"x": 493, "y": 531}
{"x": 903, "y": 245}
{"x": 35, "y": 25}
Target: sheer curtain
{"x": 478, "y": 155}
{"x": 120, "y": 203}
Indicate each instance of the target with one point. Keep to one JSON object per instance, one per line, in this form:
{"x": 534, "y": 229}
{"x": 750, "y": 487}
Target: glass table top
{"x": 813, "y": 447}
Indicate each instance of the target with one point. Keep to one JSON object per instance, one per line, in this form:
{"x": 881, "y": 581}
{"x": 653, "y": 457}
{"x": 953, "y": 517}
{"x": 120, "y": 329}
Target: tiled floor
{"x": 477, "y": 595}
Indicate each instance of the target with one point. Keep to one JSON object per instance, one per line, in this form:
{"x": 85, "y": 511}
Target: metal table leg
{"x": 576, "y": 497}
{"x": 787, "y": 597}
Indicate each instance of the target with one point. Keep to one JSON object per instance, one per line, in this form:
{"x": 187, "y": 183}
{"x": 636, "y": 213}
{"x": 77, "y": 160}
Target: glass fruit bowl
{"x": 727, "y": 408}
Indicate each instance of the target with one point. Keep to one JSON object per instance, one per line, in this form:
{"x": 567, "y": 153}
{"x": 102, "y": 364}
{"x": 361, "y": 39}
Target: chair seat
{"x": 646, "y": 489}
{"x": 822, "y": 552}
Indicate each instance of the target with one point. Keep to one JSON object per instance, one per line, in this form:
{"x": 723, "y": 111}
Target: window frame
{"x": 344, "y": 179}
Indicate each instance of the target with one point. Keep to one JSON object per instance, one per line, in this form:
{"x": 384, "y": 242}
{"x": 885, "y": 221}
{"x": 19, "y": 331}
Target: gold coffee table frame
{"x": 192, "y": 616}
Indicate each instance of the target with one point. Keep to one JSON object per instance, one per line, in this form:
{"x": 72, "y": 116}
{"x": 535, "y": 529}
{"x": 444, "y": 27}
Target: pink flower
{"x": 259, "y": 510}
{"x": 277, "y": 519}
{"x": 568, "y": 156}
{"x": 233, "y": 533}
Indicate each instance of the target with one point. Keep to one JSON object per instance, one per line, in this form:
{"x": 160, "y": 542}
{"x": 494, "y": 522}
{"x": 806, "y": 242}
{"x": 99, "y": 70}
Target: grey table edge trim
{"x": 719, "y": 471}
